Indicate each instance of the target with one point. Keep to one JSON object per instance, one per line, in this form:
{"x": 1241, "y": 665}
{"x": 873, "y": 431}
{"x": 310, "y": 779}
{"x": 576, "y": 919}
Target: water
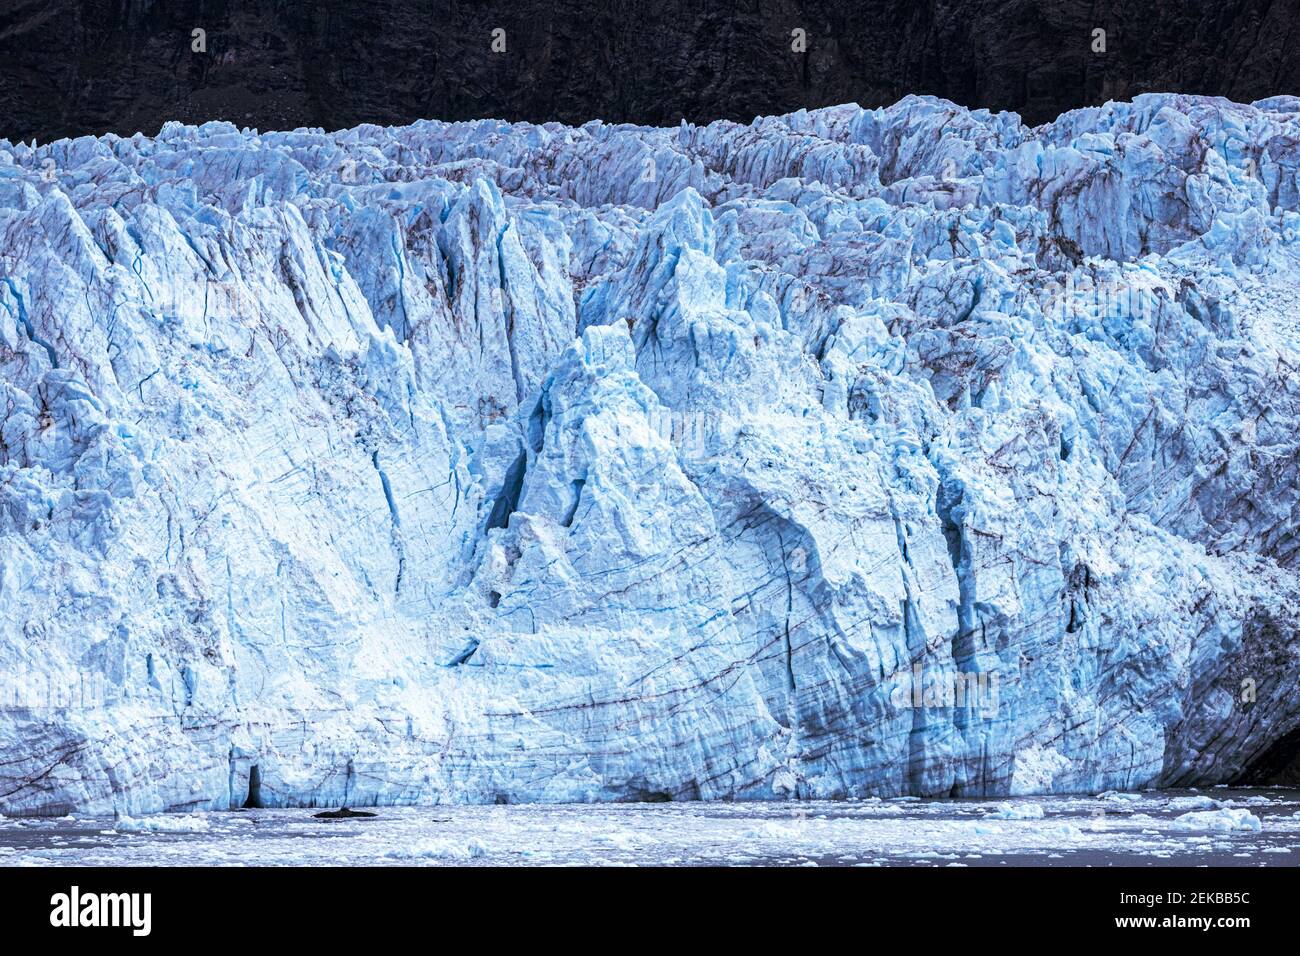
{"x": 1113, "y": 830}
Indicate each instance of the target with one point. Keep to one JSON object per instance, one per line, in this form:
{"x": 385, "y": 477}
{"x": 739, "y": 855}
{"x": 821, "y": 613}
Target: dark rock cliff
{"x": 69, "y": 67}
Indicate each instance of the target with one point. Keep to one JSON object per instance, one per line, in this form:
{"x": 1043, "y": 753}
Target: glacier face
{"x": 479, "y": 461}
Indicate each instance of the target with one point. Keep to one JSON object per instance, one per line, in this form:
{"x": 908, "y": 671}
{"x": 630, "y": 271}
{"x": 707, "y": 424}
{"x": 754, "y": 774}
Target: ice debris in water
{"x": 844, "y": 453}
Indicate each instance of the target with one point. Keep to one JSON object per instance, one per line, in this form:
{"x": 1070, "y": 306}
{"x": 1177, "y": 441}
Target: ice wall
{"x": 478, "y": 461}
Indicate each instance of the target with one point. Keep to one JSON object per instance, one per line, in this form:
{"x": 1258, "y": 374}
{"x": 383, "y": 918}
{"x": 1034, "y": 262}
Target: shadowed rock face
{"x": 478, "y": 461}
{"x": 69, "y": 68}
{"x": 1278, "y": 766}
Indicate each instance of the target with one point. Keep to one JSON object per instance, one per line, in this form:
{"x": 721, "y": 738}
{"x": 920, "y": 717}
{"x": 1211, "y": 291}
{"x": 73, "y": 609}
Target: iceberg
{"x": 484, "y": 462}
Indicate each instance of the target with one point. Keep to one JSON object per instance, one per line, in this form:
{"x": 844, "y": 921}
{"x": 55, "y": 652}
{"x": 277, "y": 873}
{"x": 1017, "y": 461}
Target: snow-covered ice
{"x": 844, "y": 453}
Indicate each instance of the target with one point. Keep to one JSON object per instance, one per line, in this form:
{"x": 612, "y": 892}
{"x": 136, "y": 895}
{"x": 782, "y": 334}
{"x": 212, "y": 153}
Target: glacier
{"x": 484, "y": 462}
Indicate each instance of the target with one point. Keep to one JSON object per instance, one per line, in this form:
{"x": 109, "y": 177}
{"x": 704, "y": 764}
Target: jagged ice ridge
{"x": 479, "y": 461}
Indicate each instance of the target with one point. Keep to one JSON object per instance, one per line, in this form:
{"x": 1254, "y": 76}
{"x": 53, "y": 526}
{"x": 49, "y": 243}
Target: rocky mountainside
{"x": 72, "y": 67}
{"x": 848, "y": 452}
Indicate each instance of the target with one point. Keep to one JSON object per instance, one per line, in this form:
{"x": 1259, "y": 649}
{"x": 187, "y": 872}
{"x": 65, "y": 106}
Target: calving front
{"x": 494, "y": 470}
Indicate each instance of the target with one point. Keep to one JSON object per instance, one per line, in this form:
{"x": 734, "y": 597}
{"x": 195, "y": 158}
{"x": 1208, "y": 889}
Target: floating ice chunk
{"x": 621, "y": 839}
{"x": 1017, "y": 811}
{"x": 439, "y": 849}
{"x": 1198, "y": 802}
{"x": 161, "y": 823}
{"x": 1066, "y": 831}
{"x": 1225, "y": 819}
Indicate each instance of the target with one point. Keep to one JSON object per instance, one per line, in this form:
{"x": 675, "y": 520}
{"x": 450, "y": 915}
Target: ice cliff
{"x": 478, "y": 461}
